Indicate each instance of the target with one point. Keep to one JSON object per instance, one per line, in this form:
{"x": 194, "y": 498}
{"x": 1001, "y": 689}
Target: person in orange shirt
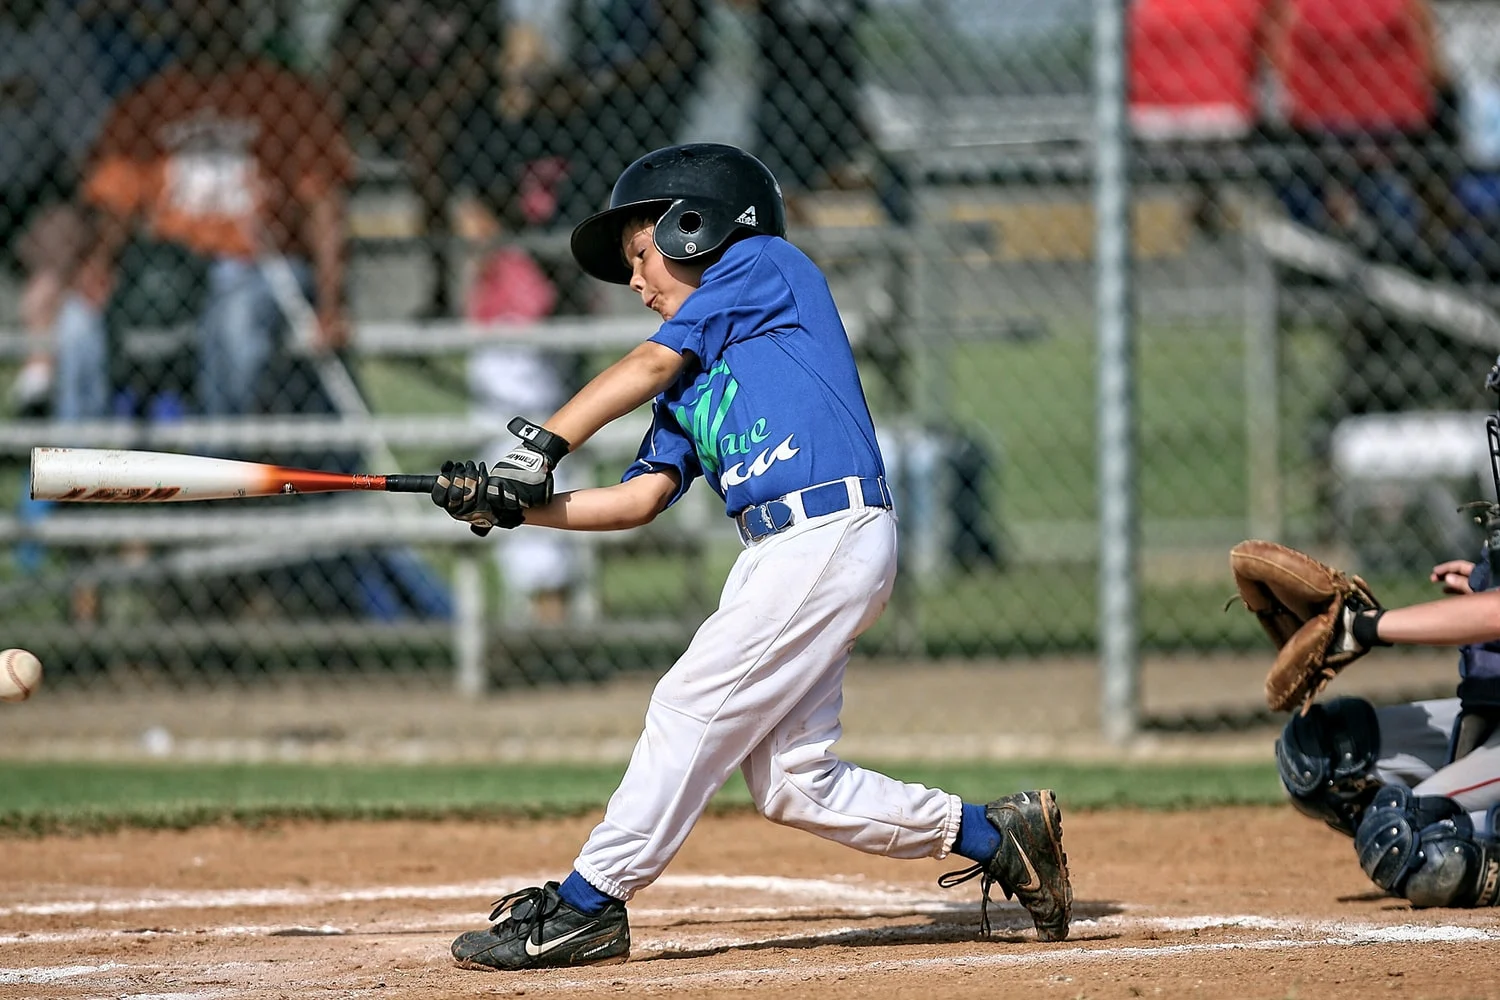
{"x": 238, "y": 162}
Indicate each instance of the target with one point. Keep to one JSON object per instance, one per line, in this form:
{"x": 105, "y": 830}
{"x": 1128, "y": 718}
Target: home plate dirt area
{"x": 1223, "y": 903}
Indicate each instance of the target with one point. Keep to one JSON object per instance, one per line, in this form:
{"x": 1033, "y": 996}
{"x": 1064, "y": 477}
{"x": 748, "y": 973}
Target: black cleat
{"x": 1030, "y": 864}
{"x": 536, "y": 929}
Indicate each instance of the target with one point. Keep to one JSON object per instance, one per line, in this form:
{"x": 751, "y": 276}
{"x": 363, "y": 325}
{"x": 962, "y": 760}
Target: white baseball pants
{"x": 760, "y": 688}
{"x": 1414, "y": 752}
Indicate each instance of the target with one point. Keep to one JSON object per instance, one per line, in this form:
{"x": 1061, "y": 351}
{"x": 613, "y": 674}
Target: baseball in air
{"x": 20, "y": 674}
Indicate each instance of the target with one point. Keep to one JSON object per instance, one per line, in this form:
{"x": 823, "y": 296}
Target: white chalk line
{"x": 849, "y": 898}
{"x": 809, "y": 890}
{"x": 805, "y": 971}
{"x": 53, "y": 974}
{"x": 1346, "y": 935}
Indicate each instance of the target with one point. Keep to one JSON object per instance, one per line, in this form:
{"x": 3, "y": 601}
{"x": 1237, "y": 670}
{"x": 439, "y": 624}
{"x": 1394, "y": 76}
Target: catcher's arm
{"x": 1447, "y": 621}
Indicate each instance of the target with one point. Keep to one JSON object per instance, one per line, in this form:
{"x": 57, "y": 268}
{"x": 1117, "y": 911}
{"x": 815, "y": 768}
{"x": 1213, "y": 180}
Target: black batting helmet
{"x": 700, "y": 194}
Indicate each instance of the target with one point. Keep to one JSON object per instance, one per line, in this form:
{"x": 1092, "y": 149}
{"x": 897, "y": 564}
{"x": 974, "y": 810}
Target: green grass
{"x": 1035, "y": 401}
{"x": 52, "y": 799}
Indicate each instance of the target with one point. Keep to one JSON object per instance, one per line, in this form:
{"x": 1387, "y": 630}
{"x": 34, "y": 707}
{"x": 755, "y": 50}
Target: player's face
{"x": 662, "y": 283}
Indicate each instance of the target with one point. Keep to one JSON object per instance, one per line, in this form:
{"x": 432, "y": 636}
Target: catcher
{"x": 1416, "y": 785}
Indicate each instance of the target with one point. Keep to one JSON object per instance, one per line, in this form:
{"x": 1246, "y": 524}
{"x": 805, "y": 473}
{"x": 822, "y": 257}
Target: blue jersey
{"x": 770, "y": 400}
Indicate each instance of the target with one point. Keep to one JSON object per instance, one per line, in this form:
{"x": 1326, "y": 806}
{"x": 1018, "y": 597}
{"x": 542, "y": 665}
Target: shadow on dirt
{"x": 1008, "y": 925}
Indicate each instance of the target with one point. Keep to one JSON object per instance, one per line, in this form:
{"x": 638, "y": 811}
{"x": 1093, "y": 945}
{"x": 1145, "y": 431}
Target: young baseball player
{"x": 754, "y": 389}
{"x": 1416, "y": 785}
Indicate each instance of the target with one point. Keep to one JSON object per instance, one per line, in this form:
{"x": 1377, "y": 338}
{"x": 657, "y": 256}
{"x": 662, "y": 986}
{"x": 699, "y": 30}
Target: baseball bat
{"x": 108, "y": 475}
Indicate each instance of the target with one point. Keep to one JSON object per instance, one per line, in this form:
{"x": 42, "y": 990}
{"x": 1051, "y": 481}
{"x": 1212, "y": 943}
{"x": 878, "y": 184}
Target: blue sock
{"x": 978, "y": 840}
{"x": 582, "y": 896}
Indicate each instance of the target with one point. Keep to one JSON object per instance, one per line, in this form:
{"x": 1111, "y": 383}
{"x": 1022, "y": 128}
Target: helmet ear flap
{"x": 686, "y": 231}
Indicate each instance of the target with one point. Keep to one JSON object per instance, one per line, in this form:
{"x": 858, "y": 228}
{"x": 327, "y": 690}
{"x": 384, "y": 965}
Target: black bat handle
{"x": 410, "y": 484}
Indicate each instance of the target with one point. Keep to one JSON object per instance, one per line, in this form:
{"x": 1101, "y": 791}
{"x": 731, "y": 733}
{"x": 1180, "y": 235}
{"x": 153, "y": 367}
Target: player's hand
{"x": 1453, "y": 576}
{"x": 469, "y": 494}
{"x": 524, "y": 475}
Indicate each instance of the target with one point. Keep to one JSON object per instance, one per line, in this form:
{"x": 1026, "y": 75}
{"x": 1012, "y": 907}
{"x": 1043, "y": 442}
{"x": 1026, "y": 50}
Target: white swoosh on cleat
{"x": 1033, "y": 883}
{"x": 536, "y": 950}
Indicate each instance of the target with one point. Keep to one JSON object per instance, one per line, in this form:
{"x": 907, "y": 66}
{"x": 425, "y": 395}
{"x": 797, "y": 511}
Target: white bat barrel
{"x": 103, "y": 475}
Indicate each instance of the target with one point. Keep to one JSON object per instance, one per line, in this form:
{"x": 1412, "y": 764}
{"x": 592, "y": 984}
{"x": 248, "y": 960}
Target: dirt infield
{"x": 1227, "y": 903}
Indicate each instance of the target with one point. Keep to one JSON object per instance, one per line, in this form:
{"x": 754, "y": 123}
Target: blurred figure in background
{"x": 52, "y": 99}
{"x": 1367, "y": 95}
{"x": 1367, "y": 99}
{"x": 226, "y": 170}
{"x": 402, "y": 70}
{"x": 1195, "y": 78}
{"x": 1195, "y": 67}
{"x": 538, "y": 569}
{"x": 586, "y": 86}
{"x": 507, "y": 284}
{"x": 810, "y": 129}
{"x": 132, "y": 39}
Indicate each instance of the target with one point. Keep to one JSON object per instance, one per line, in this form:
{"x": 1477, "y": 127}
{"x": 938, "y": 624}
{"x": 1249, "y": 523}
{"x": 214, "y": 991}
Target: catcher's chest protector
{"x": 1480, "y": 660}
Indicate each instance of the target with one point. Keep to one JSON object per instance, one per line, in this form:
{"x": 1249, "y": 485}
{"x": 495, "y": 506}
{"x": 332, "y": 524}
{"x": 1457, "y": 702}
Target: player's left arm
{"x": 1448, "y": 621}
{"x": 632, "y": 381}
{"x": 629, "y": 504}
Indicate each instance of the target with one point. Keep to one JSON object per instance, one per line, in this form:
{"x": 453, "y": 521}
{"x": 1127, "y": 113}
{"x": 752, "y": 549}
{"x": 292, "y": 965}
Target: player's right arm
{"x": 629, "y": 504}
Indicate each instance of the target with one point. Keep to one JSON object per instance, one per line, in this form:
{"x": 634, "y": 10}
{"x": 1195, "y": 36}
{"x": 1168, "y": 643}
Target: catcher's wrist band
{"x": 1366, "y": 628}
{"x": 538, "y": 438}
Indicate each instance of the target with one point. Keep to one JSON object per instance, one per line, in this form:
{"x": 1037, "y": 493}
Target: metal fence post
{"x": 1262, "y": 392}
{"x": 468, "y": 624}
{"x": 1118, "y": 603}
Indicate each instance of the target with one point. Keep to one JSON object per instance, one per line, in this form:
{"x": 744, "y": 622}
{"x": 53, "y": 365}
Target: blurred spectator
{"x": 809, "y": 126}
{"x": 1368, "y": 97}
{"x": 1195, "y": 77}
{"x": 132, "y": 39}
{"x": 51, "y": 102}
{"x": 1368, "y": 100}
{"x": 1195, "y": 67}
{"x": 586, "y": 87}
{"x": 402, "y": 69}
{"x": 538, "y": 569}
{"x": 509, "y": 284}
{"x": 229, "y": 171}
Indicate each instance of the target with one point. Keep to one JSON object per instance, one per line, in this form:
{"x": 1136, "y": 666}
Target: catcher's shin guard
{"x": 1425, "y": 848}
{"x": 1326, "y": 760}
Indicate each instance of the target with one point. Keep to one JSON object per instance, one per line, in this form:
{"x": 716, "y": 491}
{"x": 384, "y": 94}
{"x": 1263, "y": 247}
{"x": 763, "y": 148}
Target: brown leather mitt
{"x": 1307, "y": 608}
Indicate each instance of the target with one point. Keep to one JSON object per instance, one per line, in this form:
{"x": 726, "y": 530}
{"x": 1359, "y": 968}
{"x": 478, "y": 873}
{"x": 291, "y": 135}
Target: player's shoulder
{"x": 764, "y": 253}
{"x": 774, "y": 248}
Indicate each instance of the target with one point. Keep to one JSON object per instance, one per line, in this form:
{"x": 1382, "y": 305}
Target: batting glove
{"x": 469, "y": 494}
{"x": 524, "y": 476}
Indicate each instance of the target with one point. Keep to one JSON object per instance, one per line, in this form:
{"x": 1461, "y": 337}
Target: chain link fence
{"x": 333, "y": 233}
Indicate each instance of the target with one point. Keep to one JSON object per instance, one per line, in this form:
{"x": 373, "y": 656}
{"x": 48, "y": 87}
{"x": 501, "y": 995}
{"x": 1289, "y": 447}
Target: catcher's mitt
{"x": 1307, "y": 608}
